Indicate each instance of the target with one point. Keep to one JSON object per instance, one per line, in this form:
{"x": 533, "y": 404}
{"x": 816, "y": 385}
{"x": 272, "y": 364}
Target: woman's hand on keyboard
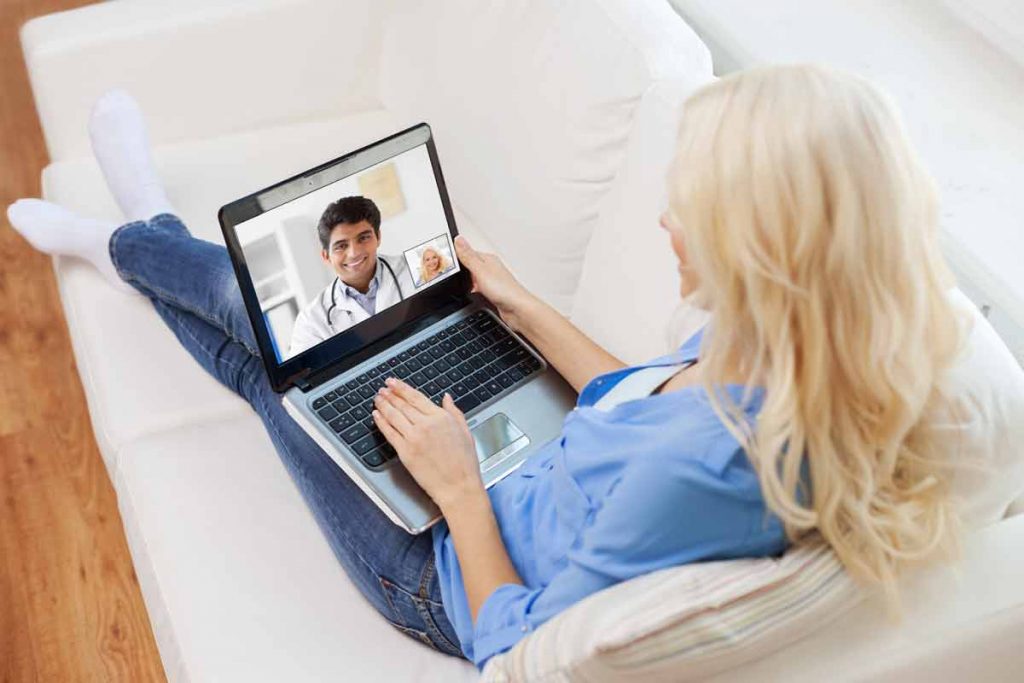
{"x": 492, "y": 279}
{"x": 434, "y": 443}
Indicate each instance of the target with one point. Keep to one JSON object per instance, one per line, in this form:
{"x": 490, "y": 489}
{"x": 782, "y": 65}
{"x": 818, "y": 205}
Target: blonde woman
{"x": 802, "y": 222}
{"x": 432, "y": 264}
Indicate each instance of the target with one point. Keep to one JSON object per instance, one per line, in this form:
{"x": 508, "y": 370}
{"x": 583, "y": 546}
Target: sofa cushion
{"x": 531, "y": 103}
{"x": 239, "y": 582}
{"x": 686, "y": 623}
{"x": 750, "y": 620}
{"x": 117, "y": 336}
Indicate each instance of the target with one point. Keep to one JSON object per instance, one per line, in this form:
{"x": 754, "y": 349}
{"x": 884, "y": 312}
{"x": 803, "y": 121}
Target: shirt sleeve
{"x": 651, "y": 519}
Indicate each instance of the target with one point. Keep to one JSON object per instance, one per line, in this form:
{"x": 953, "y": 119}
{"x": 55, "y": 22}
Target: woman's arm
{"x": 575, "y": 355}
{"x": 435, "y": 445}
{"x": 482, "y": 555}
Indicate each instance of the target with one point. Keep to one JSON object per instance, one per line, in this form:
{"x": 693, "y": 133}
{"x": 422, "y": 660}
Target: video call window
{"x": 335, "y": 257}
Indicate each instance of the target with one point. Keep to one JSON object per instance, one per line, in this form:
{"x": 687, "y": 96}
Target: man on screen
{"x": 366, "y": 282}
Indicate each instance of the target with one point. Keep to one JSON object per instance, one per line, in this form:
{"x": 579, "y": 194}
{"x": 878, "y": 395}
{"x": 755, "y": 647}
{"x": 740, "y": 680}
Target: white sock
{"x": 121, "y": 146}
{"x": 52, "y": 229}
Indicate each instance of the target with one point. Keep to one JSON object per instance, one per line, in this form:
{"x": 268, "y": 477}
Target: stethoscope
{"x": 334, "y": 290}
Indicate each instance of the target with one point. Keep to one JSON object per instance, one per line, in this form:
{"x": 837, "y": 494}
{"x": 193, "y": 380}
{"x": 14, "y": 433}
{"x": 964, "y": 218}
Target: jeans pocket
{"x": 411, "y": 614}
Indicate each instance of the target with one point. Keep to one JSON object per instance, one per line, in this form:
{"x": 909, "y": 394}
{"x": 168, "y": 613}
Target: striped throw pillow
{"x": 685, "y": 623}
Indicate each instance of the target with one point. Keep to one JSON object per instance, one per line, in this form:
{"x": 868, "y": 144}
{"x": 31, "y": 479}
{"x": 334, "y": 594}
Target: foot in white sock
{"x": 52, "y": 229}
{"x": 121, "y": 145}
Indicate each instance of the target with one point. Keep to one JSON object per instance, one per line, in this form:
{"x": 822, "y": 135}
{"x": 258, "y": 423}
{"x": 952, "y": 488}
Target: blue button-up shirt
{"x": 654, "y": 482}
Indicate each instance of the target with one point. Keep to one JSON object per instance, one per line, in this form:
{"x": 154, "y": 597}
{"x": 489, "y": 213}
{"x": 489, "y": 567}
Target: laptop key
{"x": 493, "y": 387}
{"x": 353, "y": 398}
{"x": 373, "y": 458}
{"x": 352, "y": 385}
{"x": 482, "y": 393}
{"x": 330, "y": 396}
{"x": 403, "y": 371}
{"x": 342, "y": 423}
{"x": 354, "y": 432}
{"x": 459, "y": 389}
{"x": 372, "y": 372}
{"x": 383, "y": 368}
{"x": 430, "y": 372}
{"x": 431, "y": 388}
{"x": 467, "y": 403}
{"x": 453, "y": 375}
{"x": 442, "y": 365}
{"x": 319, "y": 403}
{"x": 365, "y": 391}
{"x": 404, "y": 356}
{"x": 470, "y": 382}
{"x": 418, "y": 379}
{"x": 413, "y": 364}
{"x": 327, "y": 413}
{"x": 481, "y": 377}
{"x": 367, "y": 443}
{"x": 505, "y": 381}
{"x": 436, "y": 352}
{"x": 359, "y": 413}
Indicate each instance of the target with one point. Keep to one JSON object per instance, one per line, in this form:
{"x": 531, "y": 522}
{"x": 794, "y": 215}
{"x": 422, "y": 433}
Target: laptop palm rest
{"x": 497, "y": 438}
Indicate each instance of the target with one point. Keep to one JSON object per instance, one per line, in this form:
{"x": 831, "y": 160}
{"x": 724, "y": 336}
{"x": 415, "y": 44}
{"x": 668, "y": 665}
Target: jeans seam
{"x": 199, "y": 344}
{"x": 424, "y": 599}
{"x": 161, "y": 293}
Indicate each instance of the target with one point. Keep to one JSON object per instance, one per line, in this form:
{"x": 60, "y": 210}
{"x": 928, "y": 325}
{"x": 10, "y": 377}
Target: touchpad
{"x": 497, "y": 438}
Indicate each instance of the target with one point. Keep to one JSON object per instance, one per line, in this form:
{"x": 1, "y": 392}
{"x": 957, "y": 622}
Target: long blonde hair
{"x": 811, "y": 228}
{"x": 442, "y": 264}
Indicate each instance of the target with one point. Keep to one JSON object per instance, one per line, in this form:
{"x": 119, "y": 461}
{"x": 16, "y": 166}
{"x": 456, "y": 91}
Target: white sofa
{"x": 554, "y": 123}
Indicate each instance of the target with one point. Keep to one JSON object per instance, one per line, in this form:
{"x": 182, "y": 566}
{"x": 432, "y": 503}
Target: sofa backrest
{"x": 531, "y": 103}
{"x": 629, "y": 286}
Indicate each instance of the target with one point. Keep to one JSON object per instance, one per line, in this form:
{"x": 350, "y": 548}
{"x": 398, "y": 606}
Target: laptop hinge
{"x": 303, "y": 384}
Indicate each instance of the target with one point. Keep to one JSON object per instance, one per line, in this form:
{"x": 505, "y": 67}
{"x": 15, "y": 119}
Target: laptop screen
{"x": 366, "y": 239}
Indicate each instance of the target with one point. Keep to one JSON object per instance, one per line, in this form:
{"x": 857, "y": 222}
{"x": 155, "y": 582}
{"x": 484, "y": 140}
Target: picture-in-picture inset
{"x": 430, "y": 260}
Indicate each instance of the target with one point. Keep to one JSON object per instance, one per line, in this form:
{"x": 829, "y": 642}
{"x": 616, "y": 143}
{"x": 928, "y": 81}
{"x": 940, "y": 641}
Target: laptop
{"x": 328, "y": 346}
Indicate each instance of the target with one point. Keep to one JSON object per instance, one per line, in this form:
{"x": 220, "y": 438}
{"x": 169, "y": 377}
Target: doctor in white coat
{"x": 366, "y": 282}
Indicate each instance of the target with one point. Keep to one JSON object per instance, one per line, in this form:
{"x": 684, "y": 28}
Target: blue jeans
{"x": 193, "y": 287}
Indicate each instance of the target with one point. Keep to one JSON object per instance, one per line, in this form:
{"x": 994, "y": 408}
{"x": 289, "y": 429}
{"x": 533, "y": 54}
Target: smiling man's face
{"x": 352, "y": 252}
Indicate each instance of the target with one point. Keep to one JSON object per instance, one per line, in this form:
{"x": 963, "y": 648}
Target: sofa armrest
{"x": 201, "y": 69}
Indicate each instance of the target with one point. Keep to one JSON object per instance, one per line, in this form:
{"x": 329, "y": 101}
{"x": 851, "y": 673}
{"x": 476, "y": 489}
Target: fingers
{"x": 390, "y": 433}
{"x": 448, "y": 403}
{"x": 394, "y": 413}
{"x": 466, "y": 253}
{"x": 414, "y": 398}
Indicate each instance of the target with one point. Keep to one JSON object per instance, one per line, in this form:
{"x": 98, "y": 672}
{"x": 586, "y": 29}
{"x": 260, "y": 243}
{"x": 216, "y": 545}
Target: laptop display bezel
{"x": 453, "y": 290}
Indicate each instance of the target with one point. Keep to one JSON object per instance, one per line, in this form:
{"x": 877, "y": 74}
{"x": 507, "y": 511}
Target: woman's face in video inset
{"x": 431, "y": 261}
{"x": 353, "y": 251}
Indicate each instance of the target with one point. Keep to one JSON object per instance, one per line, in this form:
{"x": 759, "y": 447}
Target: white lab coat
{"x": 311, "y": 325}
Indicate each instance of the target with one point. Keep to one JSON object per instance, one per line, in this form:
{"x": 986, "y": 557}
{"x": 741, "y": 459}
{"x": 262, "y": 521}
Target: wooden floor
{"x": 70, "y": 607}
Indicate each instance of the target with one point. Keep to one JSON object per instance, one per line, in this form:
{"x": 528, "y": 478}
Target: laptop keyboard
{"x": 475, "y": 360}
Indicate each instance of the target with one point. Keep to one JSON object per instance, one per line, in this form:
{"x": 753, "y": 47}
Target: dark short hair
{"x": 349, "y": 210}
